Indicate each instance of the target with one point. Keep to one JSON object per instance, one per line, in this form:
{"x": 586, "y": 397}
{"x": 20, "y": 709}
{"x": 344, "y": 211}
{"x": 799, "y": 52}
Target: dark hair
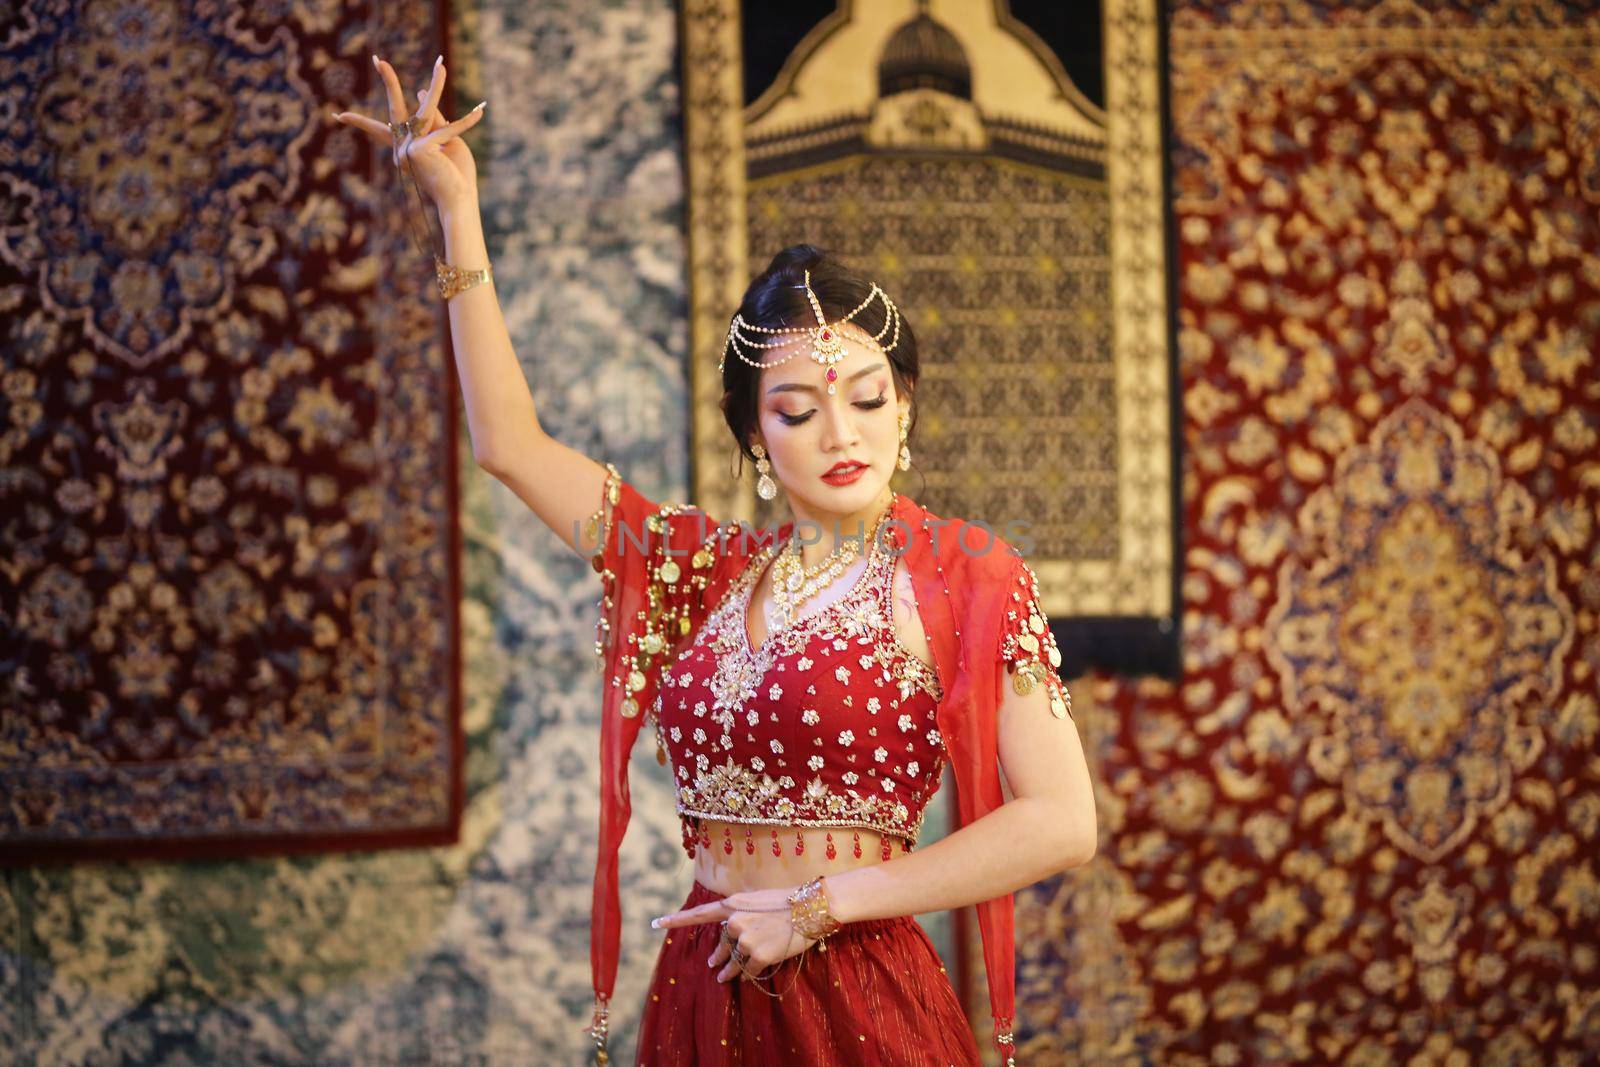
{"x": 777, "y": 298}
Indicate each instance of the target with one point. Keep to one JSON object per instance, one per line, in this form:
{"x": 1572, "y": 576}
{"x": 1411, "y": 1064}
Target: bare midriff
{"x": 734, "y": 872}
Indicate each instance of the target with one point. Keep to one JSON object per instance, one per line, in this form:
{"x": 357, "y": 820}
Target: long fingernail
{"x": 439, "y": 60}
{"x": 375, "y": 63}
{"x": 655, "y": 924}
{"x": 481, "y": 106}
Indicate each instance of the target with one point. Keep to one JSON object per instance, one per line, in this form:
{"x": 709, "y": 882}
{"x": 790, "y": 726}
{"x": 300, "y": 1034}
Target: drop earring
{"x": 904, "y": 462}
{"x": 766, "y": 488}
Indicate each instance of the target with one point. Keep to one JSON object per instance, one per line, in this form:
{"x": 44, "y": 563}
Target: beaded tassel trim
{"x": 1003, "y": 1038}
{"x": 697, "y": 836}
{"x": 599, "y": 1029}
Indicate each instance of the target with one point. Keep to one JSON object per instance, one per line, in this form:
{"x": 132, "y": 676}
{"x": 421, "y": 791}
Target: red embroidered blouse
{"x": 831, "y": 722}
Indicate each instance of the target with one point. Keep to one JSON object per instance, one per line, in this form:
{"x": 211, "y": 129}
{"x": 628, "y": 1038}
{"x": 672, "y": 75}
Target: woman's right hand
{"x": 438, "y": 157}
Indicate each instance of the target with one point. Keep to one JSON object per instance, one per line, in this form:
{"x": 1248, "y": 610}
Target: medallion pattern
{"x": 474, "y": 952}
{"x": 1412, "y": 620}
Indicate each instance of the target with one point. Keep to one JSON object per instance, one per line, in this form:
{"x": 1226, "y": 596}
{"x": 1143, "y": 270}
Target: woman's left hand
{"x": 758, "y": 921}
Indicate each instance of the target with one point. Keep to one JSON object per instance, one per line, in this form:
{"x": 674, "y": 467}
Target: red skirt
{"x": 878, "y": 996}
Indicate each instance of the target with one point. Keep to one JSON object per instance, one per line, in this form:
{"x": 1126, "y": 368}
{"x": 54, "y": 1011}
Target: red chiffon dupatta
{"x": 661, "y": 566}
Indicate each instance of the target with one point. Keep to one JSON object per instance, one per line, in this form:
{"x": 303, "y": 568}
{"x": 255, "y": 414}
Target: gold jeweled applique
{"x": 667, "y": 617}
{"x": 1027, "y": 644}
{"x": 732, "y": 792}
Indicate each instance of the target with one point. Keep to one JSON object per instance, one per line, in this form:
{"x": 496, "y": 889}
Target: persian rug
{"x": 228, "y": 582}
{"x": 1363, "y": 829}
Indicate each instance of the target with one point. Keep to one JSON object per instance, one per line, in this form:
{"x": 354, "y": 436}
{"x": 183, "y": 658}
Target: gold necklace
{"x": 793, "y": 584}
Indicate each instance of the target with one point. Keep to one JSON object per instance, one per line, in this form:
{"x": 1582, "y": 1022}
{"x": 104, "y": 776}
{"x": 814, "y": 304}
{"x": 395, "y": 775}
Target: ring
{"x": 409, "y": 126}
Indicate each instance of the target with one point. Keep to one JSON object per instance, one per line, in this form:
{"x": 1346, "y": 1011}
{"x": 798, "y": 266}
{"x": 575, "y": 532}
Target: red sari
{"x": 664, "y": 567}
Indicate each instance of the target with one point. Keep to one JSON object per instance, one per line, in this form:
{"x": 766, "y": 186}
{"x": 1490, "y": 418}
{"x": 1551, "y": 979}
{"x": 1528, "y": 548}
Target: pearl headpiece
{"x": 827, "y": 343}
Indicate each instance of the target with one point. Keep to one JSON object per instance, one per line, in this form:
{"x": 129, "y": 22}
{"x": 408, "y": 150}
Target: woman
{"x": 806, "y": 688}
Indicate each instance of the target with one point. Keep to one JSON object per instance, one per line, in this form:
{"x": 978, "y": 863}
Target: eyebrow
{"x": 796, "y": 387}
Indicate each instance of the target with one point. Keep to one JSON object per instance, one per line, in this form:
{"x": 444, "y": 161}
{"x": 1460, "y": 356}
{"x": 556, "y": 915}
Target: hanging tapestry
{"x": 228, "y": 544}
{"x": 942, "y": 150}
{"x": 1363, "y": 830}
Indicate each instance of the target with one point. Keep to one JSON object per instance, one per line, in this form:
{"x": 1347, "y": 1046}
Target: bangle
{"x": 808, "y": 911}
{"x": 454, "y": 280}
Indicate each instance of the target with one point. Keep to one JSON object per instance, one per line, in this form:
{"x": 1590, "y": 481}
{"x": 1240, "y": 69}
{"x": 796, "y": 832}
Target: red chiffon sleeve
{"x": 1027, "y": 647}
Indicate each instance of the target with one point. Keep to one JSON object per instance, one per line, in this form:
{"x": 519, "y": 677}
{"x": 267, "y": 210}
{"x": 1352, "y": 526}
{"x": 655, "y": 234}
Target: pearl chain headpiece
{"x": 827, "y": 344}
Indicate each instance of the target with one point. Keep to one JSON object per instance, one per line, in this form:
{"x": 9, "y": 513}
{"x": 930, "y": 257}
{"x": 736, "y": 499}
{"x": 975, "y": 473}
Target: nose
{"x": 840, "y": 431}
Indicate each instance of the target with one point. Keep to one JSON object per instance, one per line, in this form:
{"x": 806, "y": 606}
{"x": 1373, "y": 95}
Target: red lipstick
{"x": 844, "y": 473}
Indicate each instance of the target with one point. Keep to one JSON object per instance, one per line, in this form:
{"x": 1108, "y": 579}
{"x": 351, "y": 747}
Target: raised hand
{"x": 441, "y": 161}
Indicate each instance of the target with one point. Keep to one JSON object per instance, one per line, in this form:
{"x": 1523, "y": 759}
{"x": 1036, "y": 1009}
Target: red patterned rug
{"x": 1364, "y": 827}
{"x": 228, "y": 543}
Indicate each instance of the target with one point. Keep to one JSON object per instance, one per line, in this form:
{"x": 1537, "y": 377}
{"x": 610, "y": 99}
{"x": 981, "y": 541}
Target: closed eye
{"x": 865, "y": 405}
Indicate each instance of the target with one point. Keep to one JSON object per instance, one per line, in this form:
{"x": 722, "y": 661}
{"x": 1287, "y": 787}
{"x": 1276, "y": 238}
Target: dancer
{"x": 805, "y": 688}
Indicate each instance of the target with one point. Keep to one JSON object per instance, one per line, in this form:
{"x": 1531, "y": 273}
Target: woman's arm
{"x": 560, "y": 484}
{"x": 1048, "y": 826}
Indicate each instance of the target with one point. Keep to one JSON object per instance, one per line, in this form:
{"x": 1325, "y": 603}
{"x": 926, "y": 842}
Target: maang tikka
{"x": 827, "y": 343}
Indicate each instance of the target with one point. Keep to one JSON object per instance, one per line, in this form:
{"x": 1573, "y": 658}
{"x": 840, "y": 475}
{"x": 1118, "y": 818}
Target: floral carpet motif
{"x": 227, "y": 473}
{"x": 1363, "y": 829}
{"x": 1413, "y": 621}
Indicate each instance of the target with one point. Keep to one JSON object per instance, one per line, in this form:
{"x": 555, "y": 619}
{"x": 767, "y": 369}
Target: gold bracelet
{"x": 809, "y": 911}
{"x": 454, "y": 280}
